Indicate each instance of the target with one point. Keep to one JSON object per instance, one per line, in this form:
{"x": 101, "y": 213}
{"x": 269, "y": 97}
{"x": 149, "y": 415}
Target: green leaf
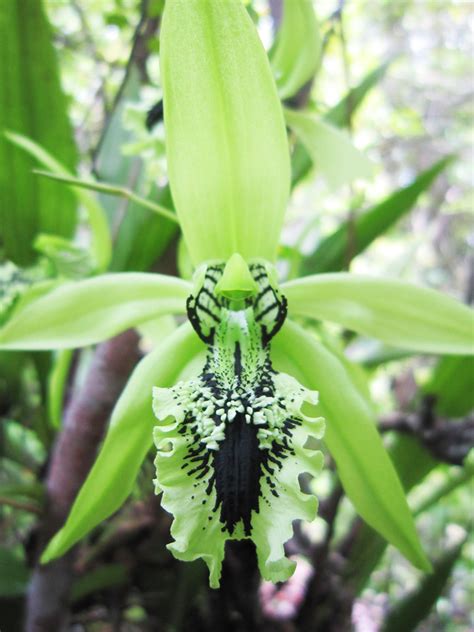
{"x": 31, "y": 103}
{"x": 398, "y": 313}
{"x": 363, "y": 464}
{"x": 410, "y": 611}
{"x": 14, "y": 574}
{"x": 339, "y": 116}
{"x": 460, "y": 477}
{"x": 331, "y": 150}
{"x": 67, "y": 259}
{"x": 56, "y": 385}
{"x": 20, "y": 444}
{"x": 451, "y": 384}
{"x": 100, "y": 578}
{"x": 101, "y": 242}
{"x": 337, "y": 250}
{"x": 128, "y": 439}
{"x": 142, "y": 235}
{"x": 297, "y": 50}
{"x": 82, "y": 313}
{"x": 226, "y": 142}
{"x": 412, "y": 462}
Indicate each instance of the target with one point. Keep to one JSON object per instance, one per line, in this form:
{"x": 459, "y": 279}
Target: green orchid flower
{"x": 230, "y": 398}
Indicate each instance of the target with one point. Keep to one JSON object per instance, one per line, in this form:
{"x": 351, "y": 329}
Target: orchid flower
{"x": 230, "y": 398}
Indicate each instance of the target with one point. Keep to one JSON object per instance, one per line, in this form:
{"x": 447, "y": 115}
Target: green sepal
{"x": 364, "y": 467}
{"x": 398, "y": 313}
{"x": 128, "y": 439}
{"x": 226, "y": 142}
{"x": 85, "y": 312}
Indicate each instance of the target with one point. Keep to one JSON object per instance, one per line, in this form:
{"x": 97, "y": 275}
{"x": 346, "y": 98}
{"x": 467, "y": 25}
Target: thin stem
{"x": 18, "y": 504}
{"x": 111, "y": 189}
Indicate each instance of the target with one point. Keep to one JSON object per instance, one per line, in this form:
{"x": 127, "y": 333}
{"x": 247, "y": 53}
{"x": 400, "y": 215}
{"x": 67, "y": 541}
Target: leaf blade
{"x": 337, "y": 250}
{"x": 297, "y": 51}
{"x": 34, "y": 105}
{"x": 396, "y": 312}
{"x": 330, "y": 149}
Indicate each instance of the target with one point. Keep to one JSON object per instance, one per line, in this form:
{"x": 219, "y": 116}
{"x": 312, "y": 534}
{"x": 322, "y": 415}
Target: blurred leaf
{"x": 398, "y": 313}
{"x": 410, "y": 611}
{"x": 14, "y": 574}
{"x": 352, "y": 237}
{"x": 101, "y": 244}
{"x": 82, "y": 313}
{"x": 452, "y": 482}
{"x": 31, "y": 103}
{"x": 68, "y": 260}
{"x": 127, "y": 442}
{"x": 56, "y": 386}
{"x": 140, "y": 235}
{"x": 363, "y": 465}
{"x": 20, "y": 444}
{"x": 372, "y": 353}
{"x": 412, "y": 462}
{"x": 331, "y": 150}
{"x": 103, "y": 577}
{"x": 297, "y": 50}
{"x": 226, "y": 143}
{"x": 339, "y": 116}
{"x": 452, "y": 384}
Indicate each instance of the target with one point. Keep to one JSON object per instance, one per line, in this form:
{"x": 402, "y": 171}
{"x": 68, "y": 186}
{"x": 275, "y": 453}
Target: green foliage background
{"x": 416, "y": 113}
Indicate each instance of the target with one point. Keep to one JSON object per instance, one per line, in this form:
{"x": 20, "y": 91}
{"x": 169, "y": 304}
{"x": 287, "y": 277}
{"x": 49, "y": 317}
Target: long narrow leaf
{"x": 85, "y": 312}
{"x": 297, "y": 51}
{"x": 363, "y": 464}
{"x": 31, "y": 103}
{"x": 141, "y": 235}
{"x": 339, "y": 116}
{"x": 331, "y": 149}
{"x": 451, "y": 383}
{"x": 410, "y": 611}
{"x": 337, "y": 250}
{"x": 127, "y": 442}
{"x": 101, "y": 242}
{"x": 398, "y": 313}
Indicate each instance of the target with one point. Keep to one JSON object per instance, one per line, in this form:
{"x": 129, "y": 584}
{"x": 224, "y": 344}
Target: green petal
{"x": 198, "y": 529}
{"x": 363, "y": 464}
{"x": 226, "y": 142}
{"x": 128, "y": 439}
{"x": 85, "y": 312}
{"x": 230, "y": 443}
{"x": 398, "y": 313}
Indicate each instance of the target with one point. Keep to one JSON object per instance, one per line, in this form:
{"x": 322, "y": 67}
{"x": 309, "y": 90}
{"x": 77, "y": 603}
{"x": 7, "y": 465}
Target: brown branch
{"x": 72, "y": 457}
{"x": 447, "y": 440}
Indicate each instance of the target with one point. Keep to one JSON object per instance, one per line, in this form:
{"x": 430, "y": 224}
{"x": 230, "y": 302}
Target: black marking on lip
{"x": 237, "y": 472}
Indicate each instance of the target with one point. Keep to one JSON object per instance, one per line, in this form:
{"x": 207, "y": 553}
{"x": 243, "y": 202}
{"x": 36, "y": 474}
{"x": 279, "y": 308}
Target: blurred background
{"x": 80, "y": 79}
